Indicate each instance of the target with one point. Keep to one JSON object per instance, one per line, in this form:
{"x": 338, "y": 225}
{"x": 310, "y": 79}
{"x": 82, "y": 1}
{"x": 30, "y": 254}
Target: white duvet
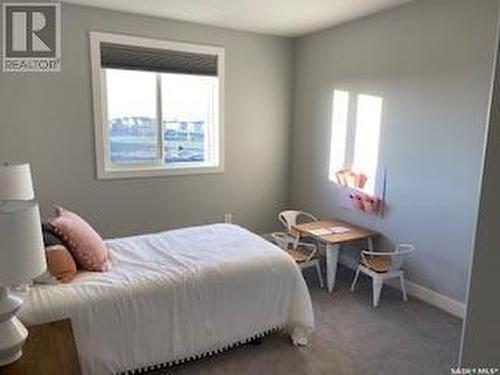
{"x": 176, "y": 295}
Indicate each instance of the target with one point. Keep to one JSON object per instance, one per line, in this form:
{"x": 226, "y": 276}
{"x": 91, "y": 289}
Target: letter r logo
{"x": 20, "y": 29}
{"x": 30, "y": 30}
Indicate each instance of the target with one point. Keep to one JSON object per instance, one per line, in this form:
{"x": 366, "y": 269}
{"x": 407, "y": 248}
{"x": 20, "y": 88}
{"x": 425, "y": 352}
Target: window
{"x": 131, "y": 116}
{"x": 158, "y": 107}
{"x": 355, "y": 136}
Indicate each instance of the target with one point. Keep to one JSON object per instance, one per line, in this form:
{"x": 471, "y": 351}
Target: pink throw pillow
{"x": 84, "y": 243}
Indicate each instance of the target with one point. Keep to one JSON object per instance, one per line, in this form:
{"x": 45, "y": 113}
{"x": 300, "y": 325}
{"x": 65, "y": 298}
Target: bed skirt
{"x": 208, "y": 353}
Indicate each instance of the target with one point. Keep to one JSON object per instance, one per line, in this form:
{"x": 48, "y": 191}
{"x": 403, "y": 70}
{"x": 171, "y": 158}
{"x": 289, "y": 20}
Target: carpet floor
{"x": 350, "y": 338}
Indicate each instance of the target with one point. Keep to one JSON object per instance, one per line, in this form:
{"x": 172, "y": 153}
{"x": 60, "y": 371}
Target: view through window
{"x": 186, "y": 111}
{"x": 132, "y": 111}
{"x": 187, "y": 116}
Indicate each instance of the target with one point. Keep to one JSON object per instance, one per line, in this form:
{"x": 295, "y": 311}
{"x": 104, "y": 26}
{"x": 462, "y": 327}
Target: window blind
{"x": 119, "y": 56}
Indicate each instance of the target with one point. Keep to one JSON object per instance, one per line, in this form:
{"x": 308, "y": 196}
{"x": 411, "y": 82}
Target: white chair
{"x": 305, "y": 254}
{"x": 291, "y": 218}
{"x": 381, "y": 266}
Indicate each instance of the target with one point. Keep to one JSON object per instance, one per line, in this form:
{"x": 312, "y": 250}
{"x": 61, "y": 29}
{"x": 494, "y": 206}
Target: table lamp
{"x": 22, "y": 255}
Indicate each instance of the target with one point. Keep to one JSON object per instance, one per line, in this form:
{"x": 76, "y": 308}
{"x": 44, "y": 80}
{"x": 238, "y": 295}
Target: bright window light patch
{"x": 367, "y": 139}
{"x": 355, "y": 136}
{"x": 338, "y": 145}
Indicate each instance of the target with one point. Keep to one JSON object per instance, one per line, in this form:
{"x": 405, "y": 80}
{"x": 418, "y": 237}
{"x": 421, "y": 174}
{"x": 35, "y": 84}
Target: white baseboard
{"x": 430, "y": 296}
{"x": 433, "y": 298}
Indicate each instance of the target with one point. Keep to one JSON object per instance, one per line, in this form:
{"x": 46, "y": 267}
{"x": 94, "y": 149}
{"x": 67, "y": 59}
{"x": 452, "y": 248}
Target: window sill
{"x": 110, "y": 173}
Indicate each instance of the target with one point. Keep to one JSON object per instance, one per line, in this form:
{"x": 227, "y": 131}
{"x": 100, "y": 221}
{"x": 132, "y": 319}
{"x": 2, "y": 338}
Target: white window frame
{"x": 106, "y": 170}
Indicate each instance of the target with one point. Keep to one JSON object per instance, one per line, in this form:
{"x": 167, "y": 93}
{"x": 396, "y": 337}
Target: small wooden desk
{"x": 49, "y": 350}
{"x": 333, "y": 242}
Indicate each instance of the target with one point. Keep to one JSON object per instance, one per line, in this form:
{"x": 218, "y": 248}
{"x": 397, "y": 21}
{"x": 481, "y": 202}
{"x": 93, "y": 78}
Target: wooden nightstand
{"x": 49, "y": 350}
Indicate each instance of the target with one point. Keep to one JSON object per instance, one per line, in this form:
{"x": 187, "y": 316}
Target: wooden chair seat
{"x": 381, "y": 266}
{"x": 378, "y": 264}
{"x": 306, "y": 254}
{"x": 300, "y": 255}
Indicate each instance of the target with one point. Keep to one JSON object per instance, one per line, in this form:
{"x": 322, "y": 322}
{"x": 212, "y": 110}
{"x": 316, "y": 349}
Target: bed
{"x": 177, "y": 295}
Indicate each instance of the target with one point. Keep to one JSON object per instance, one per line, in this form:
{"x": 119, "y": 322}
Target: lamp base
{"x": 13, "y": 334}
{"x": 10, "y": 359}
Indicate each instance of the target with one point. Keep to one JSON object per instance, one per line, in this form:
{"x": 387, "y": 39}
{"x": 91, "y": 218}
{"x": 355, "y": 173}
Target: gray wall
{"x": 47, "y": 119}
{"x": 481, "y": 341}
{"x": 431, "y": 62}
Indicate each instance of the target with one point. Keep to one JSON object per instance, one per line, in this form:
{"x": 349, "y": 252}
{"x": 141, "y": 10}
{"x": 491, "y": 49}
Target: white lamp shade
{"x": 22, "y": 254}
{"x": 16, "y": 183}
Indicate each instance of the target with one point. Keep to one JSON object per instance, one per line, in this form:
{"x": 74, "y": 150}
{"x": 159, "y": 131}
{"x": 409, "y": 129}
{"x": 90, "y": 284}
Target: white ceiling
{"x": 277, "y": 17}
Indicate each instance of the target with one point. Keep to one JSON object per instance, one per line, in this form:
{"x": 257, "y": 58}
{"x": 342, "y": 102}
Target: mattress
{"x": 175, "y": 295}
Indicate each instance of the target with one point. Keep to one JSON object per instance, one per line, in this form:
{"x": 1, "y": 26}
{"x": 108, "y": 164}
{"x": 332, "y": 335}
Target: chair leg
{"x": 318, "y": 271}
{"x": 353, "y": 285}
{"x": 377, "y": 288}
{"x": 403, "y": 288}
